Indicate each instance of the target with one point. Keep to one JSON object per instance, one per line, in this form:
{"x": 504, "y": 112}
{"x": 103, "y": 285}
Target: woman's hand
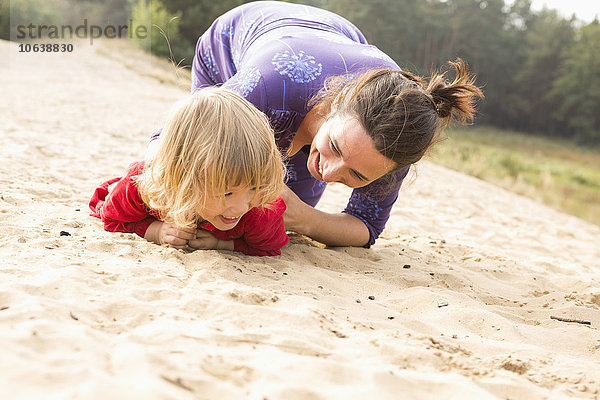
{"x": 295, "y": 213}
{"x": 167, "y": 233}
{"x": 205, "y": 240}
{"x": 331, "y": 229}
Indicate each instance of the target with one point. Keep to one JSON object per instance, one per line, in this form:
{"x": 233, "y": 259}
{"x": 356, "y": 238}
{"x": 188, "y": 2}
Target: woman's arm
{"x": 330, "y": 229}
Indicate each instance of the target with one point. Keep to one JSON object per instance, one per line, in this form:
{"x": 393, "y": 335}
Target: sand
{"x": 95, "y": 315}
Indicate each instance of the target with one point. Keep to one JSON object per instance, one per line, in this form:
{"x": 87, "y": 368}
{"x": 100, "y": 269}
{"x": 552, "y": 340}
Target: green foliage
{"x": 577, "y": 88}
{"x": 4, "y": 20}
{"x": 60, "y": 12}
{"x": 546, "y": 39}
{"x": 16, "y": 12}
{"x": 162, "y": 25}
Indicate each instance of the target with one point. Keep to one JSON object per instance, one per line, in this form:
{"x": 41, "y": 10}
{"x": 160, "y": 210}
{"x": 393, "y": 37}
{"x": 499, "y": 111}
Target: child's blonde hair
{"x": 214, "y": 140}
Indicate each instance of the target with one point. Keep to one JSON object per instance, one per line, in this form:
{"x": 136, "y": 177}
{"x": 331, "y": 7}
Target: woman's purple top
{"x": 277, "y": 55}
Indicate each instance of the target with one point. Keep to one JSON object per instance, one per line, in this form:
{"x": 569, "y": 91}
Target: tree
{"x": 577, "y": 89}
{"x": 163, "y": 27}
{"x": 545, "y": 41}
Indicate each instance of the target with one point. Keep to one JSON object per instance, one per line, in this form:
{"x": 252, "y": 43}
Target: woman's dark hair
{"x": 402, "y": 113}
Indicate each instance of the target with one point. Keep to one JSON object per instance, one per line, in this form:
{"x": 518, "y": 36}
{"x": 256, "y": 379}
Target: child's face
{"x": 224, "y": 210}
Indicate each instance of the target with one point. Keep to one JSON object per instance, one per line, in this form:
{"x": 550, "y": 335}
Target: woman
{"x": 342, "y": 110}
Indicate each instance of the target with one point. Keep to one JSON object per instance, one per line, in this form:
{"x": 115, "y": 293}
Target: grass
{"x": 553, "y": 171}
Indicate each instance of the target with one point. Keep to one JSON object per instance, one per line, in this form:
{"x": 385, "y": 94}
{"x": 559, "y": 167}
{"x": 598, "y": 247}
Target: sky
{"x": 584, "y": 10}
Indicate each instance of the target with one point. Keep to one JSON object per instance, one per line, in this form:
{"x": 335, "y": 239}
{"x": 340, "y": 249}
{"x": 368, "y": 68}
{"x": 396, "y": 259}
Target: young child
{"x": 214, "y": 182}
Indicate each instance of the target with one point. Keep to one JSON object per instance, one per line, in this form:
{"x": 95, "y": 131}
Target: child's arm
{"x": 261, "y": 233}
{"x": 166, "y": 233}
{"x": 205, "y": 240}
{"x": 265, "y": 233}
{"x": 118, "y": 204}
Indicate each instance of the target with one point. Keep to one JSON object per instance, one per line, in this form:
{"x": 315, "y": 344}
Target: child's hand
{"x": 207, "y": 241}
{"x": 204, "y": 240}
{"x": 168, "y": 233}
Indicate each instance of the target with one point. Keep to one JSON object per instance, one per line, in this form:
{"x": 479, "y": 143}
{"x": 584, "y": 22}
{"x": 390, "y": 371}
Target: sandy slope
{"x": 97, "y": 315}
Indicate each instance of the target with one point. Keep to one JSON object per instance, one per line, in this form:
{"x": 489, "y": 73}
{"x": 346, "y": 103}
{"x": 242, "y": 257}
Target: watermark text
{"x": 34, "y": 31}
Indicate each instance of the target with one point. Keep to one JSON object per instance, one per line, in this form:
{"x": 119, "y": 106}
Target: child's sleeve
{"x": 264, "y": 233}
{"x": 122, "y": 210}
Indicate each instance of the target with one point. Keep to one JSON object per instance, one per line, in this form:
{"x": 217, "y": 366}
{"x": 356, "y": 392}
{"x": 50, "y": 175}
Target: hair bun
{"x": 455, "y": 100}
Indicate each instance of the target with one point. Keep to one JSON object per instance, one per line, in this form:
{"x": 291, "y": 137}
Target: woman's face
{"x": 342, "y": 151}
